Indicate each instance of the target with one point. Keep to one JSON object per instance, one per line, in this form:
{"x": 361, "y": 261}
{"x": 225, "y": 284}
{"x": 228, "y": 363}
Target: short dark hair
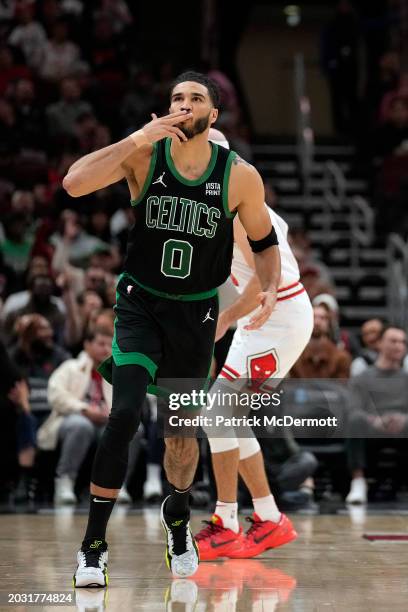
{"x": 388, "y": 326}
{"x": 199, "y": 77}
{"x": 92, "y": 332}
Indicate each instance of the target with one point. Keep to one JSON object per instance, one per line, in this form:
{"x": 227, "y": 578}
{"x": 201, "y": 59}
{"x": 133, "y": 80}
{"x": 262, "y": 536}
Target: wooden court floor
{"x": 331, "y": 567}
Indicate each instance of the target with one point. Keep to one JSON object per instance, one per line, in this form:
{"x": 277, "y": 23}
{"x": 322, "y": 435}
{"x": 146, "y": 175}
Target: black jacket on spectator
{"x": 8, "y": 439}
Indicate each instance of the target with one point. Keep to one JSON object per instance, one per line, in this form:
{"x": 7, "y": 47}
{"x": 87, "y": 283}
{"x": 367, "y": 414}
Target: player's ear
{"x": 213, "y": 116}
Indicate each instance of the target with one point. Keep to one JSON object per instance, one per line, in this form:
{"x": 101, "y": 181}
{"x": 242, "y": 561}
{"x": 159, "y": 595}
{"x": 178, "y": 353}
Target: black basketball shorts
{"x": 172, "y": 337}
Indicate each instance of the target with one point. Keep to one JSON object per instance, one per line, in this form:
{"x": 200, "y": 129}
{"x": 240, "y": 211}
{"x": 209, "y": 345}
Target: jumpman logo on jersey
{"x": 208, "y": 317}
{"x": 160, "y": 180}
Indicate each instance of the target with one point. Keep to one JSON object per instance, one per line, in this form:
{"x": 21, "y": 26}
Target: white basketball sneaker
{"x": 92, "y": 570}
{"x": 182, "y": 556}
{"x": 123, "y": 496}
{"x": 358, "y": 491}
{"x": 64, "y": 490}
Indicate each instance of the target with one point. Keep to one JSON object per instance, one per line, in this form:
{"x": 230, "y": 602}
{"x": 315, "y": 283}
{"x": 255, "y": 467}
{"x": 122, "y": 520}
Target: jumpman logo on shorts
{"x": 160, "y": 180}
{"x": 208, "y": 317}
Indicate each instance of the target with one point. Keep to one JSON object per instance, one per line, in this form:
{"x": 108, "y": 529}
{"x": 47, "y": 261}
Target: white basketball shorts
{"x": 272, "y": 350}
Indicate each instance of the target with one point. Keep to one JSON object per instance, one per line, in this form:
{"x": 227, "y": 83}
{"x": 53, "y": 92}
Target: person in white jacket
{"x": 81, "y": 401}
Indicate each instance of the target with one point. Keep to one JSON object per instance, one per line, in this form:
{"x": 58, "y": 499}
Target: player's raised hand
{"x": 267, "y": 302}
{"x": 162, "y": 127}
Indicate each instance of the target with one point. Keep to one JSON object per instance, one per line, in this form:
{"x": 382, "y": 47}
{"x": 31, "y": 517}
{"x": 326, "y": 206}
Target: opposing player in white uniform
{"x": 262, "y": 354}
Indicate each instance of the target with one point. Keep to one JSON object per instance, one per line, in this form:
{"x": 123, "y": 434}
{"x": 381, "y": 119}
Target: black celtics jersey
{"x": 181, "y": 243}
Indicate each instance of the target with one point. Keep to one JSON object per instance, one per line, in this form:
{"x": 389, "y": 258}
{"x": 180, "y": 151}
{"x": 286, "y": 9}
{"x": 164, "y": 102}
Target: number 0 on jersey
{"x": 176, "y": 259}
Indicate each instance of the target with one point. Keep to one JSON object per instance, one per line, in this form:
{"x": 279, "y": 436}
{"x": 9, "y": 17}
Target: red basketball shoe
{"x": 215, "y": 540}
{"x": 263, "y": 535}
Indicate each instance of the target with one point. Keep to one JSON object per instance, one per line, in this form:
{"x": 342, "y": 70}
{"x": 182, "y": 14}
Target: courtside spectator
{"x": 37, "y": 356}
{"x": 26, "y": 444}
{"x": 80, "y": 401}
{"x": 370, "y": 336}
{"x": 379, "y": 409}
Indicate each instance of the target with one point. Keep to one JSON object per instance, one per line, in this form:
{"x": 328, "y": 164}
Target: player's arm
{"x": 257, "y": 224}
{"x": 248, "y": 300}
{"x": 107, "y": 166}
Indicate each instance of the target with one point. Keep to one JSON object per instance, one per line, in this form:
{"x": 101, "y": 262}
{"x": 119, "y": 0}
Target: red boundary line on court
{"x": 391, "y": 537}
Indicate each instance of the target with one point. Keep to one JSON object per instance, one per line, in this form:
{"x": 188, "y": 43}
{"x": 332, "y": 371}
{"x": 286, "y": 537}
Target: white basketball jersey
{"x": 289, "y": 267}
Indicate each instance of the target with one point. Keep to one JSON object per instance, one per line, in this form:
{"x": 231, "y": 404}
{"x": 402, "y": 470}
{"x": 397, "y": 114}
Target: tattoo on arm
{"x": 238, "y": 160}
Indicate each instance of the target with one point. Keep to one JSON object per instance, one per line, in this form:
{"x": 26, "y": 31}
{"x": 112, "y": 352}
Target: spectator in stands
{"x": 392, "y": 137}
{"x": 10, "y": 69}
{"x": 105, "y": 53}
{"x": 8, "y": 279}
{"x": 29, "y": 35}
{"x": 91, "y": 135}
{"x": 99, "y": 225}
{"x": 96, "y": 279}
{"x": 63, "y": 114}
{"x": 90, "y": 304}
{"x": 118, "y": 14}
{"x": 17, "y": 242}
{"x": 29, "y": 115}
{"x": 37, "y": 355}
{"x": 74, "y": 7}
{"x": 140, "y": 101}
{"x": 379, "y": 408}
{"x": 9, "y": 140}
{"x": 26, "y": 444}
{"x": 340, "y": 337}
{"x": 41, "y": 288}
{"x": 77, "y": 245}
{"x": 390, "y": 150}
{"x": 105, "y": 318}
{"x": 61, "y": 54}
{"x": 400, "y": 92}
{"x": 386, "y": 80}
{"x": 49, "y": 11}
{"x": 80, "y": 400}
{"x": 321, "y": 357}
{"x": 9, "y": 430}
{"x": 18, "y": 299}
{"x": 370, "y": 336}
{"x": 290, "y": 470}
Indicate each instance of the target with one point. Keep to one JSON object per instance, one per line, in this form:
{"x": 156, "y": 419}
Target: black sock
{"x": 99, "y": 512}
{"x": 178, "y": 503}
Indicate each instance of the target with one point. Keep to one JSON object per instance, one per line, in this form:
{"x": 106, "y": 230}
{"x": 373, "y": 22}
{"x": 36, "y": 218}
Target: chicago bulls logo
{"x": 261, "y": 368}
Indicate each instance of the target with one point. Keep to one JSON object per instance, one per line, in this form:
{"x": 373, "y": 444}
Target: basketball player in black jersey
{"x": 185, "y": 192}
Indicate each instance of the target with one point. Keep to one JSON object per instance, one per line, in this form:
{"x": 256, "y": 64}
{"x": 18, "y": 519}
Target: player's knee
{"x": 183, "y": 451}
{"x": 222, "y": 445}
{"x": 126, "y": 421}
{"x": 248, "y": 447}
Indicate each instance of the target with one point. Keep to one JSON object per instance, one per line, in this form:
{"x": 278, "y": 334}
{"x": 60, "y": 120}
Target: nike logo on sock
{"x": 101, "y": 501}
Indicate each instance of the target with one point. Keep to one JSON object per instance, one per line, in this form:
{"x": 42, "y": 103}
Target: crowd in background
{"x": 68, "y": 86}
{"x": 364, "y": 59}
